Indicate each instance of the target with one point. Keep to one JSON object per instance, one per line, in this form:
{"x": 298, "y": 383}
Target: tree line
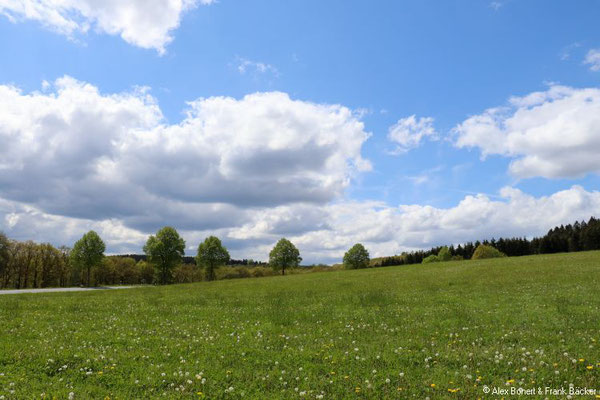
{"x": 580, "y": 236}
{"x": 32, "y": 265}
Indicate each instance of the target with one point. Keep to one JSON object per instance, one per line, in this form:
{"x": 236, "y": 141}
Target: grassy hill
{"x": 438, "y": 330}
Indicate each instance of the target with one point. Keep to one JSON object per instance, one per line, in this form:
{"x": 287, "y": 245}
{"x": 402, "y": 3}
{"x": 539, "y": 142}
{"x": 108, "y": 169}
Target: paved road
{"x": 67, "y": 289}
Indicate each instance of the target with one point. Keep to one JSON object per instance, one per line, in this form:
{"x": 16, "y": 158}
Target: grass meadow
{"x": 442, "y": 330}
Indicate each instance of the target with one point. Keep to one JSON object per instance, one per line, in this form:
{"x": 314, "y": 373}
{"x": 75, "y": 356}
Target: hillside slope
{"x": 437, "y": 330}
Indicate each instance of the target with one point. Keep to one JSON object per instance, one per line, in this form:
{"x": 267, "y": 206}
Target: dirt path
{"x": 67, "y": 289}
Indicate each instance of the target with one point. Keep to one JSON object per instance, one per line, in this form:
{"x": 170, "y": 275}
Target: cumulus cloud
{"x": 553, "y": 133}
{"x": 146, "y": 24}
{"x": 387, "y": 230}
{"x": 408, "y": 132}
{"x": 75, "y": 152}
{"x": 592, "y": 58}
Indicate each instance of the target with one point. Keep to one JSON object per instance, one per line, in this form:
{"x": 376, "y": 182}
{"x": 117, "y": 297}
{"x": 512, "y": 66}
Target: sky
{"x": 401, "y": 125}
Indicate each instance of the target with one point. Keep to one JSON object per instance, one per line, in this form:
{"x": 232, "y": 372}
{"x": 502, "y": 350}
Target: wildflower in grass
{"x": 453, "y": 390}
{"x": 432, "y": 385}
{"x": 590, "y": 367}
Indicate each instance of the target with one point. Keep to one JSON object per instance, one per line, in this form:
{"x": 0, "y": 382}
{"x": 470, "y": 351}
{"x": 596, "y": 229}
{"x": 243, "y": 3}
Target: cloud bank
{"x": 249, "y": 170}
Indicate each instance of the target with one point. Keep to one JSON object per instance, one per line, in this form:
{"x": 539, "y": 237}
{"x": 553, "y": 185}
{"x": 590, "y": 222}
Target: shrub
{"x": 146, "y": 272}
{"x": 257, "y": 272}
{"x": 444, "y": 254}
{"x": 187, "y": 273}
{"x": 485, "y": 251}
{"x": 430, "y": 259}
{"x": 232, "y": 272}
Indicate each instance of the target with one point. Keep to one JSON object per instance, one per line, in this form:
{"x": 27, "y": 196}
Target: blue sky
{"x": 443, "y": 62}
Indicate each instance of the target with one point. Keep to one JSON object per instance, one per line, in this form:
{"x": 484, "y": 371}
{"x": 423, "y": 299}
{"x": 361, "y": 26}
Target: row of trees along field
{"x": 32, "y": 265}
{"x": 28, "y": 264}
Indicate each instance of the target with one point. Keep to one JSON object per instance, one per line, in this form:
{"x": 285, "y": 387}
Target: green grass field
{"x": 440, "y": 330}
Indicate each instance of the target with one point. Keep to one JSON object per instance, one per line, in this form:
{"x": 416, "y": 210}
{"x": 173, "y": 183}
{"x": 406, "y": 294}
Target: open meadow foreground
{"x": 441, "y": 330}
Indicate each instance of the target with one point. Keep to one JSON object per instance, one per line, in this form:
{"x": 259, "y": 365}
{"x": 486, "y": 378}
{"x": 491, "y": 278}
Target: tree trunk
{"x": 88, "y": 275}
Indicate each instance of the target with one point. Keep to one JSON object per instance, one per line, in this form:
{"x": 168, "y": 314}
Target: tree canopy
{"x": 165, "y": 251}
{"x": 284, "y": 255}
{"x": 356, "y": 257}
{"x": 211, "y": 254}
{"x": 88, "y": 252}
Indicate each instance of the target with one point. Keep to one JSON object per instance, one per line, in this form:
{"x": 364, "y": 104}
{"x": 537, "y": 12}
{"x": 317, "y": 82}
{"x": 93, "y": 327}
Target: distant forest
{"x": 580, "y": 236}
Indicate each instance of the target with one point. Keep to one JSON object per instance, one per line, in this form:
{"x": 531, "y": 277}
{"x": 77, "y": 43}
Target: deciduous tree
{"x": 356, "y": 257}
{"x": 165, "y": 251}
{"x": 211, "y": 254}
{"x": 284, "y": 255}
{"x": 87, "y": 253}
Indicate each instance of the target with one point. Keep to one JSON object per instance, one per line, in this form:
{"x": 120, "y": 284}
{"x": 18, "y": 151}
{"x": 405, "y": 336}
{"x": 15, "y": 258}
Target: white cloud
{"x": 565, "y": 53}
{"x": 552, "y": 134}
{"x": 146, "y": 24}
{"x": 245, "y": 65}
{"x": 387, "y": 230}
{"x": 324, "y": 232}
{"x": 408, "y": 132}
{"x": 76, "y": 152}
{"x": 496, "y": 5}
{"x": 593, "y": 59}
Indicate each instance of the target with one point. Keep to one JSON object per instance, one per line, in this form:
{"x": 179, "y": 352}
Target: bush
{"x": 430, "y": 259}
{"x": 444, "y": 254}
{"x": 233, "y": 272}
{"x": 257, "y": 272}
{"x": 484, "y": 251}
{"x": 146, "y": 272}
{"x": 187, "y": 273}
